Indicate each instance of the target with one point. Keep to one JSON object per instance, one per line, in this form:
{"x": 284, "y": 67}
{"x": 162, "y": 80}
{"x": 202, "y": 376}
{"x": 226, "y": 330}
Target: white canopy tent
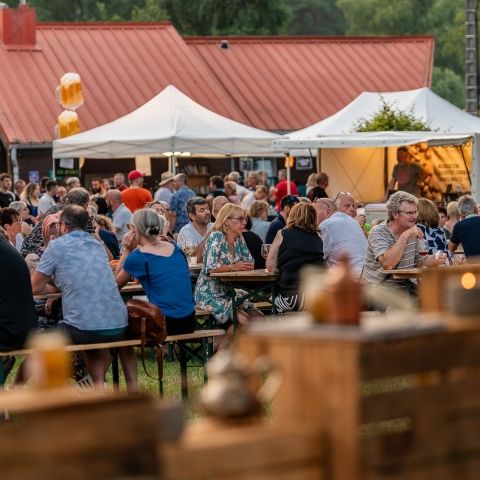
{"x": 359, "y": 165}
{"x": 169, "y": 122}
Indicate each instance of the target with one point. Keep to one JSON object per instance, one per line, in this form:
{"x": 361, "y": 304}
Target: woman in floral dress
{"x": 225, "y": 251}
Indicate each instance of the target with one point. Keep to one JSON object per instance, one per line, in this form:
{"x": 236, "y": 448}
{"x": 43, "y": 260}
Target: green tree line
{"x": 442, "y": 18}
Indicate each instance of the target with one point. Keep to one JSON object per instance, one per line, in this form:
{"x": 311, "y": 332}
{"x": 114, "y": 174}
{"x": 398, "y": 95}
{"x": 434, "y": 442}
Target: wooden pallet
{"x": 392, "y": 408}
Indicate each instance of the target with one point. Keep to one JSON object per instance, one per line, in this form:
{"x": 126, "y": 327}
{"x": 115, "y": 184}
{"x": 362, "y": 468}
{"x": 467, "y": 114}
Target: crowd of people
{"x": 58, "y": 236}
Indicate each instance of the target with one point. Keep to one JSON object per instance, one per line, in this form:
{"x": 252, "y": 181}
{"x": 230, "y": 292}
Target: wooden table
{"x": 400, "y": 406}
{"x": 210, "y": 450}
{"x": 404, "y": 273}
{"x": 257, "y": 283}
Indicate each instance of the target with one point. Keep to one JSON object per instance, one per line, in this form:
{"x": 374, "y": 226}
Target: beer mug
{"x": 71, "y": 91}
{"x": 68, "y": 124}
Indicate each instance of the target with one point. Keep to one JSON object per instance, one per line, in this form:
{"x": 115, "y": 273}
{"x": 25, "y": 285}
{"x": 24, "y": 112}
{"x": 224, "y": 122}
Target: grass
{"x": 171, "y": 378}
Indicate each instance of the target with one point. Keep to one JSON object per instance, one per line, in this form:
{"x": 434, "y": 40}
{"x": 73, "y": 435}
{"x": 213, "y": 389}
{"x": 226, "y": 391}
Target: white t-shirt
{"x": 343, "y": 234}
{"x": 121, "y": 219}
{"x": 45, "y": 203}
{"x": 190, "y": 233}
{"x": 248, "y": 199}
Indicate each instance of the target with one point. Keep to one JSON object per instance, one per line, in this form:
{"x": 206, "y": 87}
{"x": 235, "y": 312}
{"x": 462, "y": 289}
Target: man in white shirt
{"x": 121, "y": 217}
{"x": 196, "y": 231}
{"x": 340, "y": 234}
{"x": 47, "y": 201}
{"x": 165, "y": 192}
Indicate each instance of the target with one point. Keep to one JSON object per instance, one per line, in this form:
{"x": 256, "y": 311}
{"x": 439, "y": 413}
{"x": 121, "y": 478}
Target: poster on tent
{"x": 445, "y": 169}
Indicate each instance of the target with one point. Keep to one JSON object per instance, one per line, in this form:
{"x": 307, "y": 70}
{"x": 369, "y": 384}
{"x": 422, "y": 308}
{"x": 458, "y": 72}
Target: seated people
{"x": 428, "y": 221}
{"x": 453, "y": 216}
{"x": 225, "y": 251}
{"x": 93, "y": 310}
{"x": 294, "y": 247}
{"x": 11, "y": 223}
{"x": 17, "y": 313}
{"x": 199, "y": 226}
{"x": 258, "y": 212}
{"x": 161, "y": 268}
{"x": 254, "y": 244}
{"x": 467, "y": 230}
{"x": 341, "y": 235}
{"x": 393, "y": 244}
{"x": 286, "y": 204}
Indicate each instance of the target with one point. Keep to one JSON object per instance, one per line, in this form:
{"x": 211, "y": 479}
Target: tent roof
{"x": 442, "y": 117}
{"x": 171, "y": 121}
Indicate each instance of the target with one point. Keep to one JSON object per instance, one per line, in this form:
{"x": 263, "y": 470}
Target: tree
{"x": 229, "y": 17}
{"x": 449, "y": 85}
{"x": 316, "y": 17}
{"x": 380, "y": 17}
{"x": 387, "y": 118}
{"x": 442, "y": 18}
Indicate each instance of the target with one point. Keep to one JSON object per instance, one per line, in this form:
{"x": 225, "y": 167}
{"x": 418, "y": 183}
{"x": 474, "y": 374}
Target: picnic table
{"x": 404, "y": 273}
{"x": 255, "y": 284}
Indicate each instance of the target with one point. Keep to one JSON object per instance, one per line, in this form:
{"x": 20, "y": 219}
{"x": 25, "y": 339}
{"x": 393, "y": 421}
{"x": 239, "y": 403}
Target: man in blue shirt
{"x": 93, "y": 310}
{"x": 286, "y": 204}
{"x": 178, "y": 204}
{"x": 467, "y": 230}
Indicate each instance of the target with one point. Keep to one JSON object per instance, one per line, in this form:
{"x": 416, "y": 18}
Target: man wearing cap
{"x": 135, "y": 197}
{"x": 165, "y": 192}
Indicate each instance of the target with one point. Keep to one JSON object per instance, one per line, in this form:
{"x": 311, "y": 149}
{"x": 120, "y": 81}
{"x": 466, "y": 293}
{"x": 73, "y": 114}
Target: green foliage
{"x": 380, "y": 17}
{"x": 316, "y": 17}
{"x": 93, "y": 10}
{"x": 442, "y": 18}
{"x": 449, "y": 85}
{"x": 229, "y": 17}
{"x": 387, "y": 118}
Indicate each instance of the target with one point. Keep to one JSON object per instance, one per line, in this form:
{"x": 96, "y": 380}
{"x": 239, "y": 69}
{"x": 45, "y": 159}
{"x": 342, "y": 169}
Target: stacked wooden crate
{"x": 404, "y": 405}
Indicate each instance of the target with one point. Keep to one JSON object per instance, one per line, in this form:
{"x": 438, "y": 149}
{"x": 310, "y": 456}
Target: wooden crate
{"x": 210, "y": 451}
{"x": 402, "y": 407}
{"x": 67, "y": 435}
{"x": 433, "y": 283}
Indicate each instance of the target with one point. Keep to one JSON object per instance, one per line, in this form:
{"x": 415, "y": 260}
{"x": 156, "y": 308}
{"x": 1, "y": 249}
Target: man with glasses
{"x": 393, "y": 244}
{"x": 280, "y": 222}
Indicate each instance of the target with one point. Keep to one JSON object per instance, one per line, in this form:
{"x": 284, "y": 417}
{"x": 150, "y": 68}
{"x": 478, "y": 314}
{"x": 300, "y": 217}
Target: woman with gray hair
{"x": 161, "y": 268}
{"x": 25, "y": 228}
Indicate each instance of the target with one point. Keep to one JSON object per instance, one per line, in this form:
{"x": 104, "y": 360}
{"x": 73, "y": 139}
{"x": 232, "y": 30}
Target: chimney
{"x": 17, "y": 27}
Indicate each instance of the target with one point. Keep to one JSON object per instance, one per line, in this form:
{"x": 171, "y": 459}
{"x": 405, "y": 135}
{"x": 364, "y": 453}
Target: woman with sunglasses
{"x": 225, "y": 251}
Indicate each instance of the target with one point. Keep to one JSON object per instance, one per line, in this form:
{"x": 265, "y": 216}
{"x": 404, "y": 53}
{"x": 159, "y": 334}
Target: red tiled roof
{"x": 122, "y": 66}
{"x": 288, "y": 83}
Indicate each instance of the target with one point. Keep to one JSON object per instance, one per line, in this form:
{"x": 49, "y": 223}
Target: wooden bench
{"x": 183, "y": 343}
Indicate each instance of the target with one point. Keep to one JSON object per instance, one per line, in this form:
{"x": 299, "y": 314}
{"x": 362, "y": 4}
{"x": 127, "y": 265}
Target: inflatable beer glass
{"x": 68, "y": 124}
{"x": 70, "y": 92}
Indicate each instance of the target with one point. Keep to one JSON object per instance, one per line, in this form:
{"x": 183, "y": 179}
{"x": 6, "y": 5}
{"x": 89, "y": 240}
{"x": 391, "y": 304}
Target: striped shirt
{"x": 380, "y": 240}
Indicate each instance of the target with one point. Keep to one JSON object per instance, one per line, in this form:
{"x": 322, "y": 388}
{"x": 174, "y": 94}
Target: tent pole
{"x": 319, "y": 160}
{"x": 385, "y": 168}
{"x": 289, "y": 189}
{"x": 475, "y": 187}
{"x": 465, "y": 163}
{"x": 53, "y": 170}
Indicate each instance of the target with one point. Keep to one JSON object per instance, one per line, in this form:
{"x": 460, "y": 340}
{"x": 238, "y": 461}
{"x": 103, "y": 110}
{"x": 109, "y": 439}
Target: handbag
{"x": 146, "y": 322}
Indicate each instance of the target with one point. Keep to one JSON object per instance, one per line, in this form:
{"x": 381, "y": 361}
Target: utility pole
{"x": 471, "y": 56}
